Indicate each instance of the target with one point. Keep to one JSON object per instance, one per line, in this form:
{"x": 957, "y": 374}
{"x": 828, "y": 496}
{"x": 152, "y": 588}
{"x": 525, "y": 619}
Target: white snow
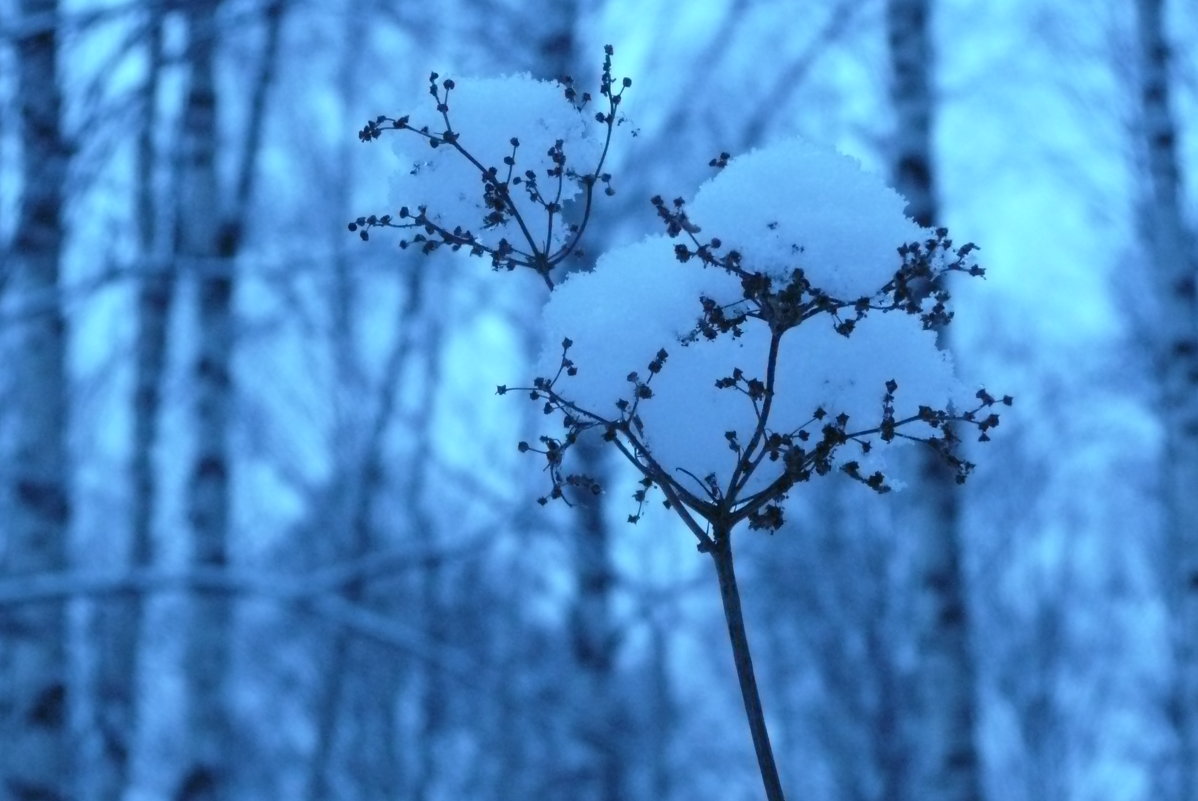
{"x": 487, "y": 113}
{"x": 771, "y": 202}
{"x": 841, "y": 225}
{"x": 787, "y": 206}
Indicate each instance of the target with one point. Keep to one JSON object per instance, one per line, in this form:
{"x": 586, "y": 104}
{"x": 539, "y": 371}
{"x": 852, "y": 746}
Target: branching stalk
{"x": 779, "y": 299}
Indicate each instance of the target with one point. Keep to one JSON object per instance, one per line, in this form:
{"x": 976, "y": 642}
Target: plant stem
{"x": 721, "y": 554}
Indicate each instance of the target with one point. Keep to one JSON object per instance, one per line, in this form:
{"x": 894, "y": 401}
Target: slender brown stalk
{"x": 721, "y": 554}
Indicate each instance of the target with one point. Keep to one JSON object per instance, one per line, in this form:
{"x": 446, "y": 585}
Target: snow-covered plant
{"x": 784, "y": 325}
{"x": 730, "y": 368}
{"x": 494, "y": 177}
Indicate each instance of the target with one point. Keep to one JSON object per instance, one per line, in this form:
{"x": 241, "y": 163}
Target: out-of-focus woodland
{"x": 264, "y": 530}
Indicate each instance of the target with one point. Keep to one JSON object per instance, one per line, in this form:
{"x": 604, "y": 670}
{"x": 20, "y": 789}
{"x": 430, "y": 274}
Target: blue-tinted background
{"x": 481, "y": 646}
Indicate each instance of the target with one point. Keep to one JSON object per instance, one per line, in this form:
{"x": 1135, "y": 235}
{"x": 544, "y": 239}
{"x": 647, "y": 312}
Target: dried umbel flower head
{"x": 490, "y": 164}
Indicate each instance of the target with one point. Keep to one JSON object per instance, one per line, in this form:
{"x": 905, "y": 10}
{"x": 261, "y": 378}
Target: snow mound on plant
{"x": 638, "y": 299}
{"x": 798, "y": 205}
{"x": 793, "y": 198}
{"x": 487, "y": 113}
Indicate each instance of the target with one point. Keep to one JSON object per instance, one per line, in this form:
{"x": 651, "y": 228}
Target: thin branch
{"x": 284, "y": 587}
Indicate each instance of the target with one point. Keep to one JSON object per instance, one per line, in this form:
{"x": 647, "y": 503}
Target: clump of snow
{"x": 487, "y": 113}
{"x": 791, "y": 205}
{"x": 638, "y": 299}
{"x": 817, "y": 368}
{"x": 795, "y": 204}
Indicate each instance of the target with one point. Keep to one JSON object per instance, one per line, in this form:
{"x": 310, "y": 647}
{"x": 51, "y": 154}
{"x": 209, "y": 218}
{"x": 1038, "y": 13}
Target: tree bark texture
{"x": 1172, "y": 247}
{"x": 36, "y": 755}
{"x": 947, "y": 675}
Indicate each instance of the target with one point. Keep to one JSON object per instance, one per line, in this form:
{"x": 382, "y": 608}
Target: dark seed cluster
{"x": 498, "y": 183}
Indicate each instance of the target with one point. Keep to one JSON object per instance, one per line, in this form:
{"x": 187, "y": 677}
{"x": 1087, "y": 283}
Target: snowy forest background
{"x": 264, "y": 530}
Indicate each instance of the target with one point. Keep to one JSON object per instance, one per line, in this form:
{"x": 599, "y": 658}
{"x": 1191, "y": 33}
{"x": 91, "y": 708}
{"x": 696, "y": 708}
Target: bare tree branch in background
{"x": 788, "y": 81}
{"x": 348, "y": 679}
{"x": 325, "y": 592}
{"x": 328, "y": 714}
{"x": 338, "y": 578}
{"x": 749, "y": 131}
{"x": 433, "y": 588}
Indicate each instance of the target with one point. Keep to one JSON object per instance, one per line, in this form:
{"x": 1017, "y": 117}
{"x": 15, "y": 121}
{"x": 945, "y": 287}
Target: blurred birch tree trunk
{"x": 594, "y": 634}
{"x": 1171, "y": 247}
{"x": 947, "y": 676}
{"x": 210, "y": 233}
{"x": 118, "y": 623}
{"x": 205, "y": 771}
{"x": 35, "y": 740}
